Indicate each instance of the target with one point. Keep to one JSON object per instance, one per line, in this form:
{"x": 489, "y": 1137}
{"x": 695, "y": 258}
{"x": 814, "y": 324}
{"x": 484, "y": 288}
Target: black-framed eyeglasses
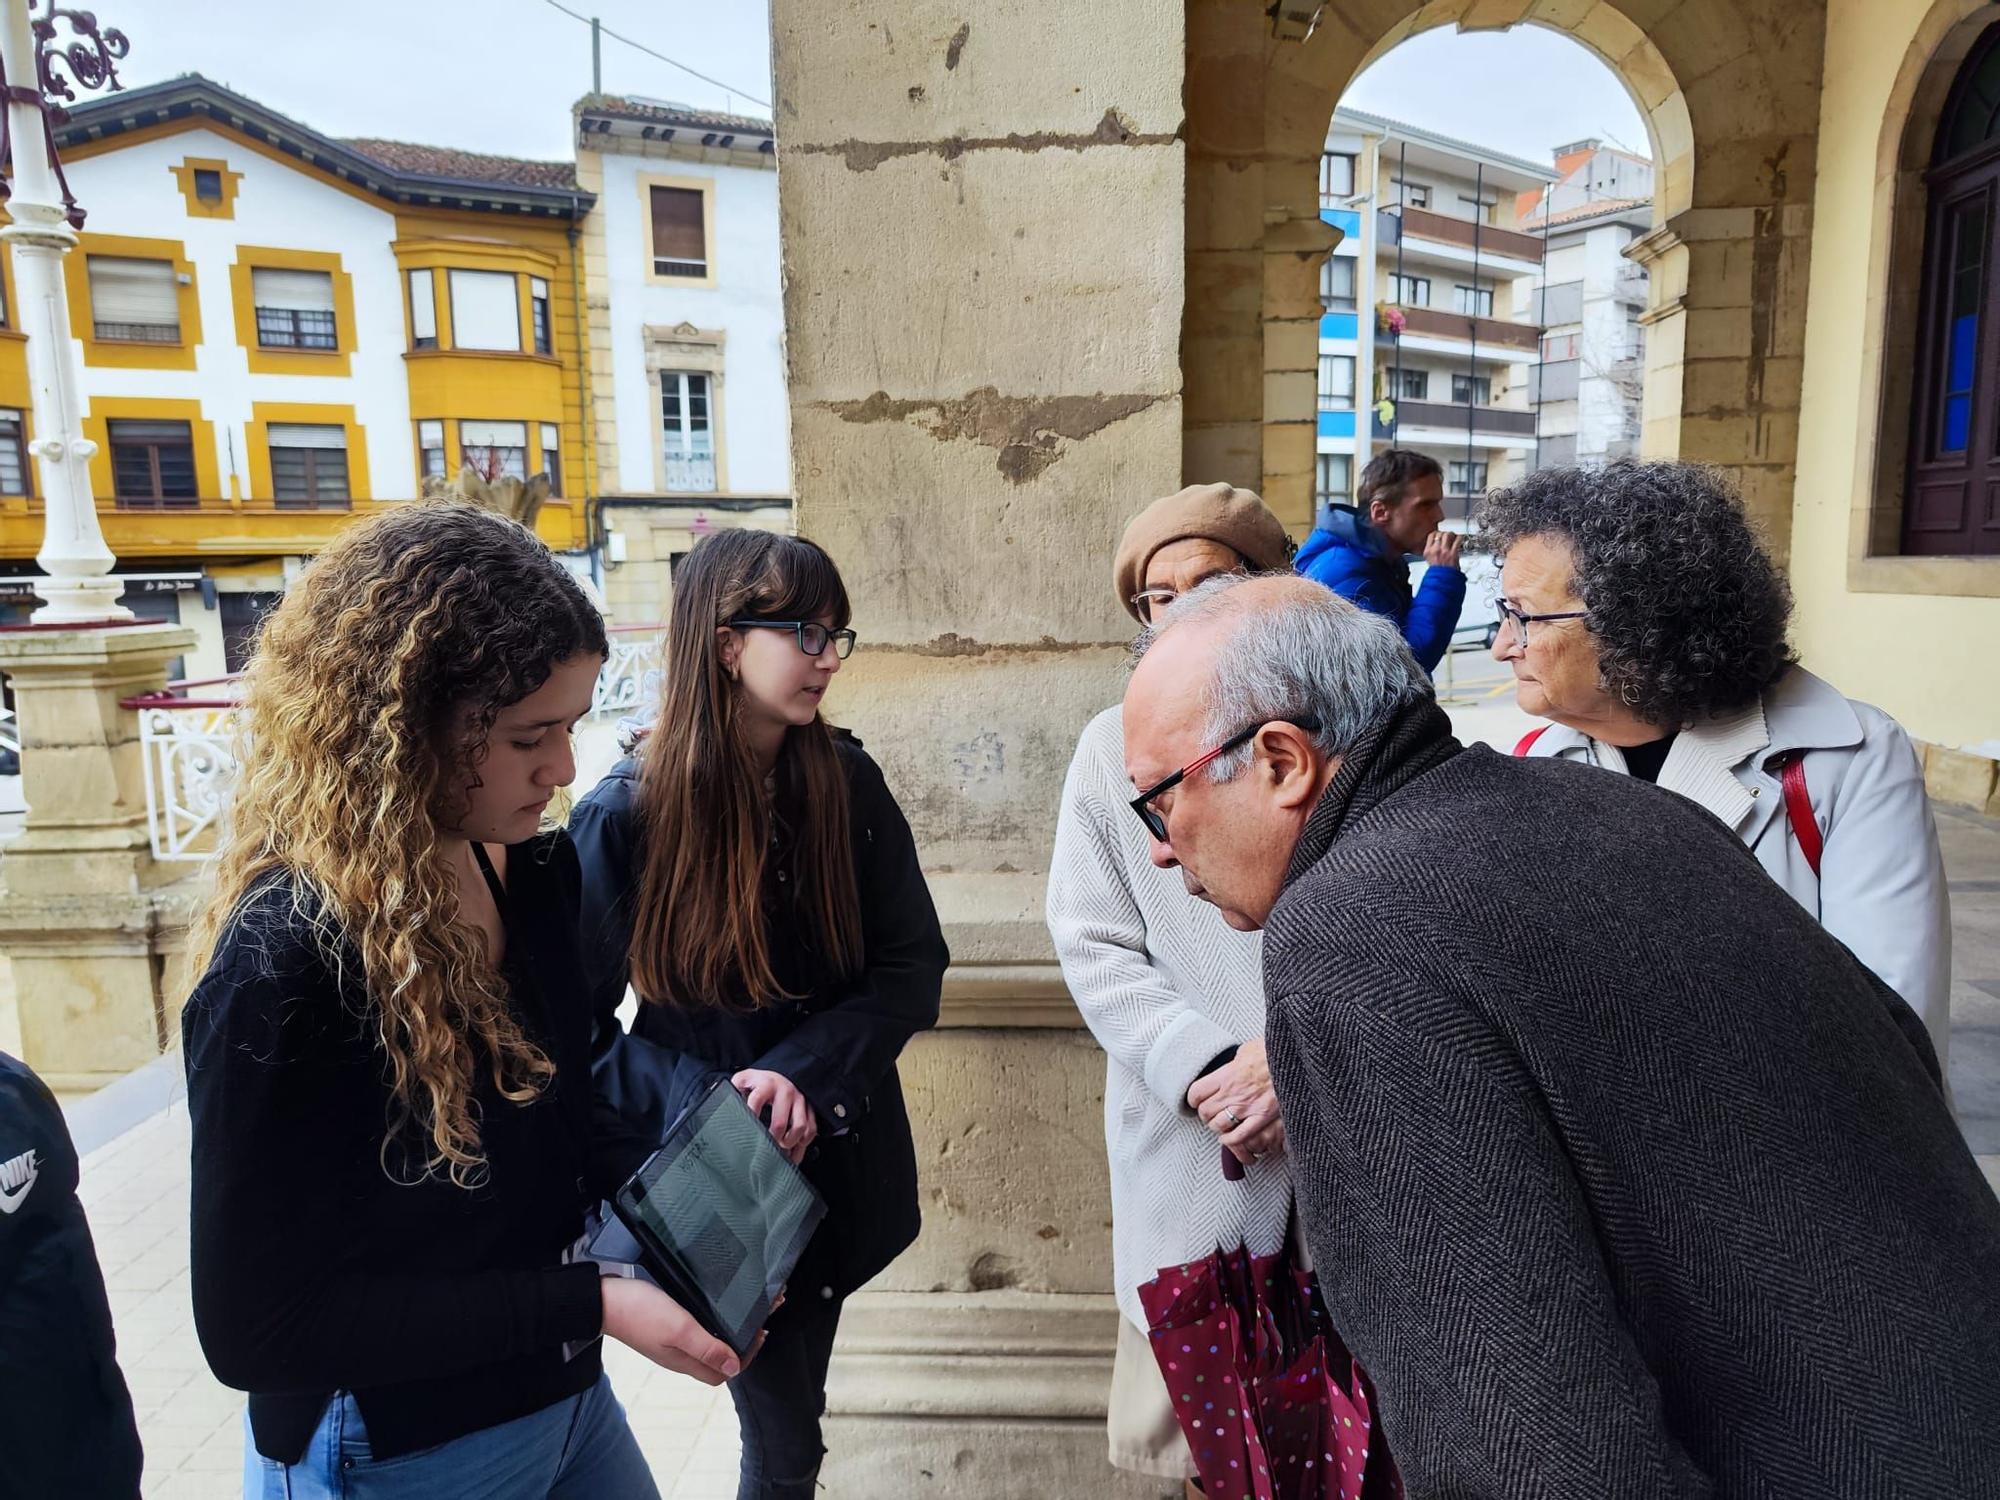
{"x": 812, "y": 636}
{"x": 1155, "y": 821}
{"x": 1521, "y": 620}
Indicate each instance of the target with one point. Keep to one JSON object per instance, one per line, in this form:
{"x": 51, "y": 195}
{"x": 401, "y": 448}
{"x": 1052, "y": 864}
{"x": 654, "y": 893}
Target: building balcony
{"x": 1431, "y": 422}
{"x": 1439, "y": 237}
{"x": 221, "y": 528}
{"x": 1440, "y": 332}
{"x": 691, "y": 473}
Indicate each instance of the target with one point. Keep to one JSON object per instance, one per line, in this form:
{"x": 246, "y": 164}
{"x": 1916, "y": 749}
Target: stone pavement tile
{"x": 190, "y": 1486}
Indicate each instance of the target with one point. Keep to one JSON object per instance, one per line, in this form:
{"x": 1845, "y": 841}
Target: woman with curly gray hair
{"x": 1641, "y": 614}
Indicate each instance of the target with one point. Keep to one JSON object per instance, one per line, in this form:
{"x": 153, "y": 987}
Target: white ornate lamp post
{"x": 88, "y": 916}
{"x": 79, "y": 588}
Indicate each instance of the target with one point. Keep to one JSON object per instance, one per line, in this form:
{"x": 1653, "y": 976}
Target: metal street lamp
{"x": 79, "y": 589}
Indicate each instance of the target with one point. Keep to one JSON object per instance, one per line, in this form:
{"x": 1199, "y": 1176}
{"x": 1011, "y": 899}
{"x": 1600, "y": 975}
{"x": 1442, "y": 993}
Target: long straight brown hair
{"x": 698, "y": 935}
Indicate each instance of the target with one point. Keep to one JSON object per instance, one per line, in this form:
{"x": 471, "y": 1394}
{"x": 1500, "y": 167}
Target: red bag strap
{"x": 1528, "y": 740}
{"x": 1791, "y": 768}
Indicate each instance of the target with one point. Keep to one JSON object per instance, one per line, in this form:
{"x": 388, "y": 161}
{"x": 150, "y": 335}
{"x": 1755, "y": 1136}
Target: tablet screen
{"x": 735, "y": 1214}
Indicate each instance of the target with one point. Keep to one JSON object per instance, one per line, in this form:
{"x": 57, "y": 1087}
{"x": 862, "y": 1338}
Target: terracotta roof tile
{"x": 465, "y": 166}
{"x": 661, "y": 112}
{"x": 1603, "y": 207}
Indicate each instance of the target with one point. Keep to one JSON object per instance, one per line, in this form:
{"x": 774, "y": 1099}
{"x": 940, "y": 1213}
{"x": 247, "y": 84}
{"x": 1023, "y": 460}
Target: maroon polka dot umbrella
{"x": 1271, "y": 1403}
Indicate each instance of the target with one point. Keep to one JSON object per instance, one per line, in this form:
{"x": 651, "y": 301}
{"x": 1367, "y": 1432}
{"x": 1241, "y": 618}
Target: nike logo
{"x": 16, "y": 1177}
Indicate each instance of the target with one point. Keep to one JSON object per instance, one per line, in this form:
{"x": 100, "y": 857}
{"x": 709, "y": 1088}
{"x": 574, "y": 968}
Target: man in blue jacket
{"x": 1358, "y": 551}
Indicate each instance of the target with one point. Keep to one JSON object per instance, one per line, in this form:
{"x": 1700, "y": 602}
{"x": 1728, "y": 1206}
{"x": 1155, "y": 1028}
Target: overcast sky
{"x": 1524, "y": 91}
{"x": 500, "y": 75}
{"x": 483, "y": 75}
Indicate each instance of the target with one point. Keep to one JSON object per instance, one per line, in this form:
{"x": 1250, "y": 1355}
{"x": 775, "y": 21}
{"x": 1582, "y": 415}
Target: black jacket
{"x": 838, "y": 1044}
{"x": 65, "y": 1417}
{"x": 444, "y": 1309}
{"x": 1623, "y": 1178}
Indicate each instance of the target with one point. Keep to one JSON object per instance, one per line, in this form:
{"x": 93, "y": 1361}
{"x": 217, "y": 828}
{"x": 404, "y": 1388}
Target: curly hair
{"x": 366, "y": 709}
{"x": 1688, "y": 609}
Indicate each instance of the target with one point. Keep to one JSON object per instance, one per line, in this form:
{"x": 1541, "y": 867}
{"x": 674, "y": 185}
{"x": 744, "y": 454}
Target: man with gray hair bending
{"x": 1638, "y": 1184}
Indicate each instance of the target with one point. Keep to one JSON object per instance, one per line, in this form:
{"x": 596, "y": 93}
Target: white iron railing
{"x": 187, "y": 740}
{"x": 630, "y": 680}
{"x": 187, "y": 745}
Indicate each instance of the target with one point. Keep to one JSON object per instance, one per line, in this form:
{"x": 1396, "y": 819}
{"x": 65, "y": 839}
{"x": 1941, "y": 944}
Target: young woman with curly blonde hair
{"x": 388, "y": 1057}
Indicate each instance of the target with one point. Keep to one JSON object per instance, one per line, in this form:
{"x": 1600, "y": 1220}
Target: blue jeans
{"x": 781, "y": 1397}
{"x": 577, "y": 1449}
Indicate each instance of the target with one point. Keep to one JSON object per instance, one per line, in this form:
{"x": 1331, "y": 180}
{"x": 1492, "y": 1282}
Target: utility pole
{"x": 596, "y": 56}
{"x": 45, "y": 217}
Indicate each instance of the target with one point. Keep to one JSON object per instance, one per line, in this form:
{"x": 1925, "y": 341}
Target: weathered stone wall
{"x": 982, "y": 219}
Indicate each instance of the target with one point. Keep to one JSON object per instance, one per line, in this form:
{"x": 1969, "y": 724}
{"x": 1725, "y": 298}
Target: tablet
{"x": 722, "y": 1215}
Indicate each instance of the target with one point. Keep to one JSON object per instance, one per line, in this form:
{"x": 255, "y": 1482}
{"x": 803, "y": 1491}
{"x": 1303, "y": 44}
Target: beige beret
{"x": 1237, "y": 519}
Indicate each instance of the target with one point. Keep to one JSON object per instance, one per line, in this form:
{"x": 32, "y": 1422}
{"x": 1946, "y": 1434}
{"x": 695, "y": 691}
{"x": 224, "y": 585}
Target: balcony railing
{"x": 1453, "y": 416}
{"x": 1442, "y": 229}
{"x": 138, "y": 333}
{"x": 691, "y": 473}
{"x": 1431, "y": 322}
{"x": 187, "y": 740}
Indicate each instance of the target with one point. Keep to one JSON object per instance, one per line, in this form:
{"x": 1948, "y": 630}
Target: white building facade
{"x": 687, "y": 335}
{"x": 1441, "y": 354}
{"x": 1589, "y": 300}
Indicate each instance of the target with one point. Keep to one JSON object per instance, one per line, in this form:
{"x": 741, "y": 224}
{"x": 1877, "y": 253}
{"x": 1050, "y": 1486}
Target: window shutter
{"x": 423, "y": 308}
{"x": 485, "y": 310}
{"x": 678, "y": 234}
{"x": 304, "y": 291}
{"x": 472, "y": 434}
{"x": 130, "y": 430}
{"x": 133, "y": 291}
{"x": 308, "y": 435}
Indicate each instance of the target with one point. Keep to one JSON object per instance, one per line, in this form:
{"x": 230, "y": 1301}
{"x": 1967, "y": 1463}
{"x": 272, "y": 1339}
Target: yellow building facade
{"x": 279, "y": 331}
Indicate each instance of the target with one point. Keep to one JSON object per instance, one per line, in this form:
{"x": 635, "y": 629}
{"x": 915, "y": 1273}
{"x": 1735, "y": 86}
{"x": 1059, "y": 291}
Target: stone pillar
{"x": 1725, "y": 340}
{"x": 81, "y": 896}
{"x": 984, "y": 277}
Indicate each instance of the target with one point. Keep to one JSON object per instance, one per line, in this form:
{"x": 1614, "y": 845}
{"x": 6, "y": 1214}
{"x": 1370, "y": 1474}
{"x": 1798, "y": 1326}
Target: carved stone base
{"x": 998, "y": 1395}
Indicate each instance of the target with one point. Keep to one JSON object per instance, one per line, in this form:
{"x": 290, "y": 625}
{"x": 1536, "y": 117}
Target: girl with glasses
{"x": 750, "y": 876}
{"x": 388, "y": 1062}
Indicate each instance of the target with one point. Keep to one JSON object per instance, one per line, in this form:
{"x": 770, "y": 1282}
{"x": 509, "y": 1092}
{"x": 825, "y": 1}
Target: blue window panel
{"x": 1957, "y": 423}
{"x": 1964, "y": 344}
{"x": 1336, "y": 424}
{"x": 1337, "y": 325}
{"x": 1346, "y": 220}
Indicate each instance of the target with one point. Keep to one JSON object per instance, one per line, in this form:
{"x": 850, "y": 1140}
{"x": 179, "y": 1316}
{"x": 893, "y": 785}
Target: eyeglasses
{"x": 1149, "y": 604}
{"x": 812, "y": 636}
{"x": 1155, "y": 820}
{"x": 1509, "y": 615}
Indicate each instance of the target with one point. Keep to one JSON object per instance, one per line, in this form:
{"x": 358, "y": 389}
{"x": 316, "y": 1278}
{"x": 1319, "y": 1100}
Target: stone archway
{"x": 1730, "y": 95}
